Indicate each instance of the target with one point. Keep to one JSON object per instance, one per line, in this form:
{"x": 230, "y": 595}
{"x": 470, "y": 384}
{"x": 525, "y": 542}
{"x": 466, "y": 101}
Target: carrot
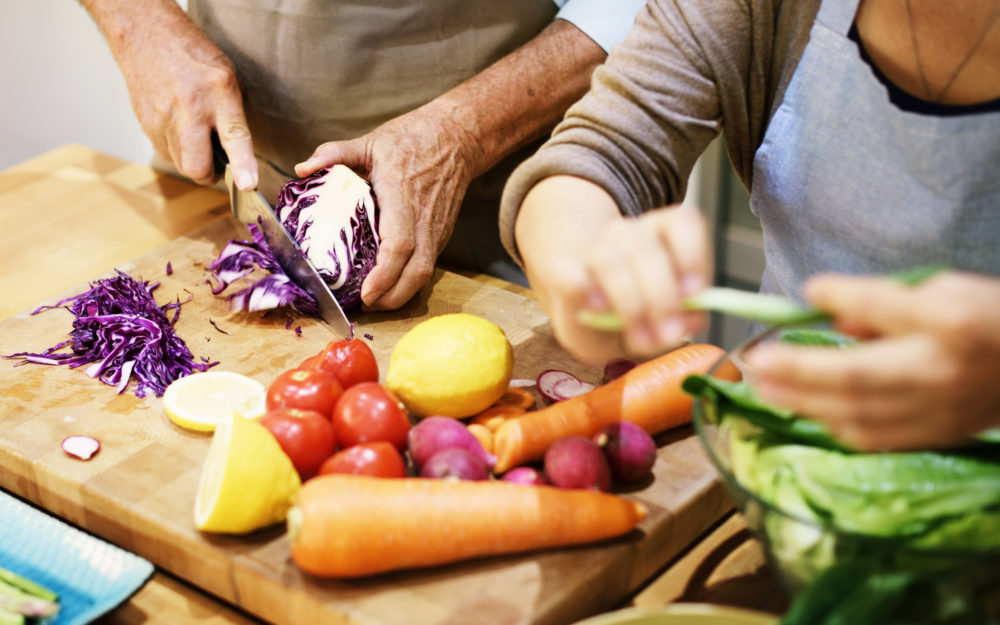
{"x": 348, "y": 526}
{"x": 648, "y": 395}
{"x": 494, "y": 416}
{"x": 483, "y": 434}
{"x": 517, "y": 396}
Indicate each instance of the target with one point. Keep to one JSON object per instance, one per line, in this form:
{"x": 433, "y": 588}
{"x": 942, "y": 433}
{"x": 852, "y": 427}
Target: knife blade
{"x": 251, "y": 207}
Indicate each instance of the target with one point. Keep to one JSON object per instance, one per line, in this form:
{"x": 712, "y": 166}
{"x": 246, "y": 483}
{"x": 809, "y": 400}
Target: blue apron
{"x": 845, "y": 181}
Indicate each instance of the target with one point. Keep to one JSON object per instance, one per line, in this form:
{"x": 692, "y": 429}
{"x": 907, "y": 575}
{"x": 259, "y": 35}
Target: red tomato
{"x": 368, "y": 412}
{"x": 306, "y": 436}
{"x": 305, "y": 389}
{"x": 378, "y": 459}
{"x": 350, "y": 361}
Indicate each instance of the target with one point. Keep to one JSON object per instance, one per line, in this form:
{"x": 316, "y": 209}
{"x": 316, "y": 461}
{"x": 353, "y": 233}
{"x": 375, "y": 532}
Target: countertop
{"x": 55, "y": 241}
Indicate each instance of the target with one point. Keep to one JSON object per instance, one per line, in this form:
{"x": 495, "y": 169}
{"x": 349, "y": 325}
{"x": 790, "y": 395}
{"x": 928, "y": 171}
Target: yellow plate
{"x": 682, "y": 614}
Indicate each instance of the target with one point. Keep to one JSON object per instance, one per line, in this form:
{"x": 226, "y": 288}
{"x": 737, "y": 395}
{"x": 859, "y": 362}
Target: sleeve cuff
{"x": 605, "y": 22}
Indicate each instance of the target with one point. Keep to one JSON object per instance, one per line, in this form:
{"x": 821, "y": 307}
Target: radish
{"x": 528, "y": 476}
{"x": 81, "y": 447}
{"x": 434, "y": 434}
{"x": 455, "y": 463}
{"x": 557, "y": 385}
{"x": 616, "y": 368}
{"x": 629, "y": 450}
{"x": 577, "y": 462}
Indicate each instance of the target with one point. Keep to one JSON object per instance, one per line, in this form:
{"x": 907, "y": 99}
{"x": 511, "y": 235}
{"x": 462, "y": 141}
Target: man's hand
{"x": 182, "y": 86}
{"x": 421, "y": 163}
{"x": 420, "y": 166}
{"x": 926, "y": 377}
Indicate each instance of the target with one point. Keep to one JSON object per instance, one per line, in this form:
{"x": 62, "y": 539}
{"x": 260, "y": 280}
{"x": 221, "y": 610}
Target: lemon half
{"x": 200, "y": 400}
{"x": 247, "y": 481}
{"x": 453, "y": 365}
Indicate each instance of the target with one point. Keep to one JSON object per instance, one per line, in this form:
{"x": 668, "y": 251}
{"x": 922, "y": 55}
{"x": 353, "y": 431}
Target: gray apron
{"x": 846, "y": 181}
{"x": 313, "y": 71}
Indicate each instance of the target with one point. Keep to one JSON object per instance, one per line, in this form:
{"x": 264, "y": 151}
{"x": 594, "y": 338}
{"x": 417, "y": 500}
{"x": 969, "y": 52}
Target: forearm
{"x": 125, "y": 22}
{"x": 523, "y": 95}
{"x": 561, "y": 217}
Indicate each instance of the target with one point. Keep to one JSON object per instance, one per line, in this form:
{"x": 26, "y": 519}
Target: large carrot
{"x": 648, "y": 395}
{"x": 351, "y": 526}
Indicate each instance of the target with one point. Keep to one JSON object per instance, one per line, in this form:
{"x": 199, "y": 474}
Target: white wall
{"x": 59, "y": 84}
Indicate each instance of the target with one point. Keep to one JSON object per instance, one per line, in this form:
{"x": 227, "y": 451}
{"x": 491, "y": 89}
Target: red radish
{"x": 556, "y": 385}
{"x": 577, "y": 462}
{"x": 528, "y": 476}
{"x": 81, "y": 447}
{"x": 434, "y": 434}
{"x": 455, "y": 463}
{"x": 616, "y": 368}
{"x": 629, "y": 450}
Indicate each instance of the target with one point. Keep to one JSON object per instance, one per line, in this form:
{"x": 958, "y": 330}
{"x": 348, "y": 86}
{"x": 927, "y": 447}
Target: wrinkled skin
{"x": 927, "y": 376}
{"x": 182, "y": 86}
{"x": 420, "y": 167}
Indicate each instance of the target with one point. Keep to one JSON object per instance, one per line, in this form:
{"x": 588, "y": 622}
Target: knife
{"x": 251, "y": 207}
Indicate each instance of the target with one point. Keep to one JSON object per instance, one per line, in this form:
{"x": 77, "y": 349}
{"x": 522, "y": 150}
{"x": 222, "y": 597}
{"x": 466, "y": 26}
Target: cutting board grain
{"x": 138, "y": 492}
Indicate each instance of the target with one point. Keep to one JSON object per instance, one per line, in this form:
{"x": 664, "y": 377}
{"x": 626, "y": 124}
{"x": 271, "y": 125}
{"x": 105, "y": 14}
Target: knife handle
{"x": 219, "y": 157}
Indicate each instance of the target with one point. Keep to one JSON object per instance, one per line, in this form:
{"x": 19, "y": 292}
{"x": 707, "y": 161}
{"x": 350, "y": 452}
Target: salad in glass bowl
{"x": 856, "y": 538}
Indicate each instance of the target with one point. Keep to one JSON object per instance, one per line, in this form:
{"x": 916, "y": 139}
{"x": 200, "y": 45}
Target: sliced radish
{"x": 557, "y": 385}
{"x": 82, "y": 447}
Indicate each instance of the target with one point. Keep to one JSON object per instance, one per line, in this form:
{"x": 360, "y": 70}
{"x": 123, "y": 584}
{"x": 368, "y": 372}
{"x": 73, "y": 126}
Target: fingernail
{"x": 246, "y": 180}
{"x": 691, "y": 284}
{"x": 760, "y": 357}
{"x": 671, "y": 330}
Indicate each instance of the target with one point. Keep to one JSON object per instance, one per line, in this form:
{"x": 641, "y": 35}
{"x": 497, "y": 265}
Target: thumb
{"x": 353, "y": 153}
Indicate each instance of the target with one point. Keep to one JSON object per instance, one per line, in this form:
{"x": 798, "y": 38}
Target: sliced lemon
{"x": 454, "y": 365}
{"x": 200, "y": 400}
{"x": 247, "y": 481}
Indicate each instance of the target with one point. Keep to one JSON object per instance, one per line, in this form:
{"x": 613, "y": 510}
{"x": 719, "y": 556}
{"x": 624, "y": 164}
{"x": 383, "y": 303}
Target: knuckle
{"x": 958, "y": 321}
{"x": 234, "y": 131}
{"x": 399, "y": 246}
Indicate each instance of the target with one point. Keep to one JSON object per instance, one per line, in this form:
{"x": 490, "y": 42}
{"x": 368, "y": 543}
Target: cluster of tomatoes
{"x": 331, "y": 415}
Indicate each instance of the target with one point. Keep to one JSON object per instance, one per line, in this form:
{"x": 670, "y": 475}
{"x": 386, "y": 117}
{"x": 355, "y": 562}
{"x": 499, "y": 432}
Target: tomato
{"x": 368, "y": 412}
{"x": 305, "y": 389}
{"x": 350, "y": 361}
{"x": 306, "y": 436}
{"x": 378, "y": 459}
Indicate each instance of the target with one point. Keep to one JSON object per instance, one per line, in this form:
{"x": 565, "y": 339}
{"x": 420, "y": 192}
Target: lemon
{"x": 200, "y": 400}
{"x": 453, "y": 365}
{"x": 247, "y": 481}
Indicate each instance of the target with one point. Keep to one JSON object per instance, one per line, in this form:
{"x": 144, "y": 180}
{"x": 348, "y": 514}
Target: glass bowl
{"x": 823, "y": 565}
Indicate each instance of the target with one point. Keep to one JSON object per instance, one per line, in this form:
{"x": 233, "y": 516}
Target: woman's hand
{"x": 579, "y": 253}
{"x": 420, "y": 168}
{"x": 928, "y": 376}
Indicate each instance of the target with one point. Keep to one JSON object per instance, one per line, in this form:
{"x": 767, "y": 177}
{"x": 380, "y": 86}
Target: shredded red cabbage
{"x": 240, "y": 258}
{"x": 122, "y": 333}
{"x": 337, "y": 230}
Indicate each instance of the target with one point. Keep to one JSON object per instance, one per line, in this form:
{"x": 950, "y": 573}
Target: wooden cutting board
{"x": 138, "y": 492}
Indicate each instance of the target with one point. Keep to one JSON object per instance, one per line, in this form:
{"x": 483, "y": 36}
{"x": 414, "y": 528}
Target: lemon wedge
{"x": 454, "y": 365}
{"x": 247, "y": 481}
{"x": 200, "y": 400}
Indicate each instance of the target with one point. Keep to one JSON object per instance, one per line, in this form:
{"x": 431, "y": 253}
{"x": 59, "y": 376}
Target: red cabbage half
{"x": 122, "y": 333}
{"x": 333, "y": 216}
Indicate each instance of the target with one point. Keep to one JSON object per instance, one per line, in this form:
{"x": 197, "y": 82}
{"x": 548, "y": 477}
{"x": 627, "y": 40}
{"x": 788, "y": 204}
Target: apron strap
{"x": 837, "y": 15}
